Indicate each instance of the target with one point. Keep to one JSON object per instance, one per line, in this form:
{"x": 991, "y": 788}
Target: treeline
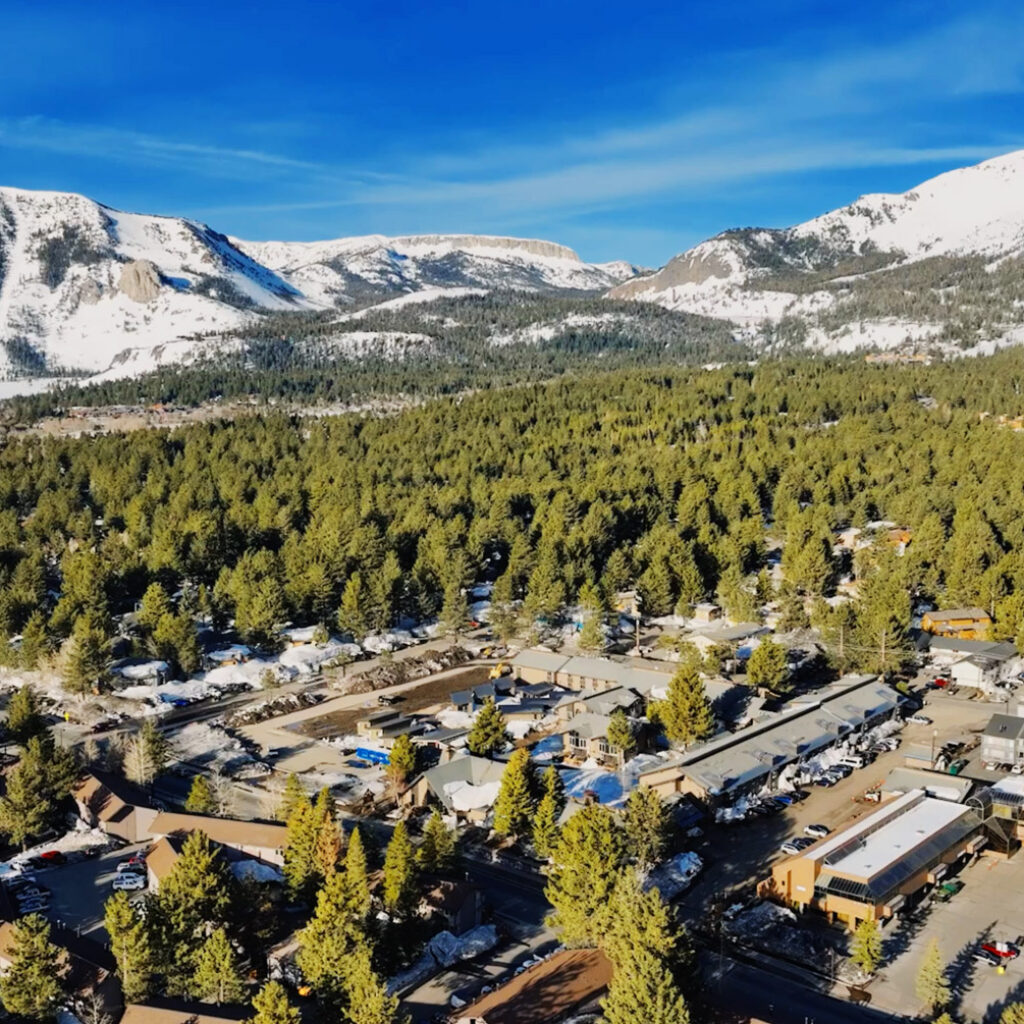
{"x": 306, "y": 357}
{"x": 675, "y": 481}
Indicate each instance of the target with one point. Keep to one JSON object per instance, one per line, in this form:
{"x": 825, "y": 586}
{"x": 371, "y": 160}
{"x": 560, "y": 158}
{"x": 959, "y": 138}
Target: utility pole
{"x": 636, "y": 605}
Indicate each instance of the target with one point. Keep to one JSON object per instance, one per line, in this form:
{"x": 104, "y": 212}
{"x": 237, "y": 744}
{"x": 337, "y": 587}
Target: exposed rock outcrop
{"x": 140, "y": 281}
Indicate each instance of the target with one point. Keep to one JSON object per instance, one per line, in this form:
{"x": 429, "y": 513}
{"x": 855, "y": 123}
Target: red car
{"x": 53, "y": 856}
{"x": 1005, "y": 950}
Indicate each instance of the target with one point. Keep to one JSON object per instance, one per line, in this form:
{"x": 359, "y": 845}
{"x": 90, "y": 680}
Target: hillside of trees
{"x": 306, "y": 357}
{"x": 676, "y": 480}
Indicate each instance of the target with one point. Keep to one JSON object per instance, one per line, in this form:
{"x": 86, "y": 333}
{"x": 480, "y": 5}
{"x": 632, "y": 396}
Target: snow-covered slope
{"x": 374, "y": 267}
{"x": 80, "y": 282}
{"x": 751, "y": 276}
{"x": 86, "y": 287}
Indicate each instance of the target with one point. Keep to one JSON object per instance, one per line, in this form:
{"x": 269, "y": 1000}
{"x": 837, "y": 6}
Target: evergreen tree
{"x": 327, "y": 846}
{"x": 200, "y": 799}
{"x": 273, "y": 1007}
{"x": 591, "y": 636}
{"x": 515, "y": 803}
{"x": 454, "y": 614}
{"x": 300, "y": 849}
{"x": 326, "y": 943}
{"x": 686, "y": 713}
{"x": 931, "y": 985}
{"x": 488, "y": 735}
{"x": 352, "y": 615}
{"x": 545, "y": 591}
{"x": 356, "y": 871}
{"x": 368, "y": 1001}
{"x": 866, "y": 952}
{"x": 294, "y": 795}
{"x": 130, "y": 946}
{"x": 647, "y": 825}
{"x": 217, "y": 977}
{"x": 399, "y": 890}
{"x": 194, "y": 898}
{"x": 505, "y": 616}
{"x": 401, "y": 762}
{"x": 643, "y": 991}
{"x": 437, "y": 851}
{"x": 86, "y": 655}
{"x": 621, "y": 735}
{"x": 23, "y": 718}
{"x": 1012, "y": 1014}
{"x": 767, "y": 666}
{"x": 584, "y": 866}
{"x": 30, "y": 988}
{"x": 549, "y": 810}
{"x": 154, "y": 606}
{"x": 35, "y": 641}
{"x": 35, "y": 787}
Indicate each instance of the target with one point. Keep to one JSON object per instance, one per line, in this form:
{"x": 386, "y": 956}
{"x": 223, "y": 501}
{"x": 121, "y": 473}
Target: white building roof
{"x": 885, "y": 837}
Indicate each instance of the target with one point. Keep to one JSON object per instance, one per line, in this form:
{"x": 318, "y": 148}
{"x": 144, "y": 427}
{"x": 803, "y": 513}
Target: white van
{"x": 853, "y": 760}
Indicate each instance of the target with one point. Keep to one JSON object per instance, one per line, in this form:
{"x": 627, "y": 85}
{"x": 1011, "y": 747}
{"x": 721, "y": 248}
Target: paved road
{"x": 752, "y": 992}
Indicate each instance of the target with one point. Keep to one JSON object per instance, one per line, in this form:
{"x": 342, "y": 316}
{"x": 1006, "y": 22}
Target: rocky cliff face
{"x": 140, "y": 281}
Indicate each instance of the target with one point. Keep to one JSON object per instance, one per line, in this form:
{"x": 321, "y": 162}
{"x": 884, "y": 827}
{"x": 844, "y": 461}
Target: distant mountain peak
{"x": 80, "y": 282}
{"x": 815, "y": 272}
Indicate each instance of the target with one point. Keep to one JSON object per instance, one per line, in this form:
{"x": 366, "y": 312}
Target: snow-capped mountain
{"x": 374, "y": 268}
{"x": 83, "y": 286}
{"x": 830, "y": 272}
{"x": 79, "y": 282}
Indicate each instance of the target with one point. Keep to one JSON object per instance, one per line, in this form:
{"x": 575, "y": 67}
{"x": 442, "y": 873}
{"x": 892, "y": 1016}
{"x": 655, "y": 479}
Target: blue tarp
{"x": 373, "y": 756}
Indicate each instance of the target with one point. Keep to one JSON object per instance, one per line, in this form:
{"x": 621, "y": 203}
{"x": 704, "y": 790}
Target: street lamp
{"x": 636, "y": 605}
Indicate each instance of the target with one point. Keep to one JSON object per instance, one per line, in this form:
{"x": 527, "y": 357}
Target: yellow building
{"x": 963, "y": 623}
{"x": 869, "y": 870}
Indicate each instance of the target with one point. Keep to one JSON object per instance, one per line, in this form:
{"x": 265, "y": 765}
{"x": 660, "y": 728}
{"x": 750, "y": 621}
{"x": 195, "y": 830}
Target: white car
{"x": 816, "y": 831}
{"x": 920, "y": 720}
{"x": 129, "y": 881}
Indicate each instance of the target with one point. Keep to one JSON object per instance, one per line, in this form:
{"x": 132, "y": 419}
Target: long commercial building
{"x": 869, "y": 870}
{"x": 720, "y": 771}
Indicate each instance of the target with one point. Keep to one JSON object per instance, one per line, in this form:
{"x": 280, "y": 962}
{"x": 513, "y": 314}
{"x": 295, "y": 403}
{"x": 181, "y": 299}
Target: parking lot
{"x": 79, "y": 890}
{"x": 989, "y": 908}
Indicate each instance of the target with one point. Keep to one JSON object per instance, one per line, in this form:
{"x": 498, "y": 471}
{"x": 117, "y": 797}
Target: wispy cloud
{"x": 55, "y": 136}
{"x": 772, "y": 116}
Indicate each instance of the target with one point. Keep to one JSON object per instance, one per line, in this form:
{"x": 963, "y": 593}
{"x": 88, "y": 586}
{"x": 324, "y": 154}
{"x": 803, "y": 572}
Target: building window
{"x": 603, "y": 746}
{"x": 575, "y": 741}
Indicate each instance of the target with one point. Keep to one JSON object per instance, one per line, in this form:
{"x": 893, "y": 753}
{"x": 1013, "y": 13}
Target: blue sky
{"x": 626, "y": 131}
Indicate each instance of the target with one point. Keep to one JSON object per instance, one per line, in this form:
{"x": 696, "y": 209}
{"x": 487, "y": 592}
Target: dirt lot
{"x": 431, "y": 692}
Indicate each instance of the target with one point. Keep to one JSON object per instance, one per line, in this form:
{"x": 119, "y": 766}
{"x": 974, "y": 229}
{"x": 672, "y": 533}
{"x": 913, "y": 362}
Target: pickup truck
{"x": 947, "y": 890}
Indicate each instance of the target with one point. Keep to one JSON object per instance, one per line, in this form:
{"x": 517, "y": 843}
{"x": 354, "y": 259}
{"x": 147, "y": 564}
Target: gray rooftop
{"x": 590, "y": 726}
{"x": 543, "y": 661}
{"x": 799, "y": 730}
{"x": 467, "y": 768}
{"x": 1005, "y": 727}
{"x": 1003, "y": 651}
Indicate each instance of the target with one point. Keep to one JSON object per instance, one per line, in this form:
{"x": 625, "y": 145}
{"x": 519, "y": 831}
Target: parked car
{"x": 920, "y": 720}
{"x": 983, "y": 956}
{"x": 957, "y": 766}
{"x": 33, "y": 907}
{"x": 1003, "y": 950}
{"x": 129, "y": 881}
{"x": 816, "y": 831}
{"x": 947, "y": 890}
{"x": 53, "y": 857}
{"x": 842, "y": 770}
{"x": 826, "y": 780}
{"x": 782, "y": 798}
{"x": 790, "y": 848}
{"x": 939, "y": 683}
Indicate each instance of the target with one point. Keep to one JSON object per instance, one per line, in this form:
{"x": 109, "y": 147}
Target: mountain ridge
{"x": 751, "y": 276}
{"x": 83, "y": 284}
